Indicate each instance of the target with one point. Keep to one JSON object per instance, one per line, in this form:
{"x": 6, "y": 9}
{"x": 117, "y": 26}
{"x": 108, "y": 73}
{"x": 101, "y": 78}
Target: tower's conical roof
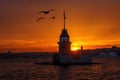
{"x": 64, "y": 33}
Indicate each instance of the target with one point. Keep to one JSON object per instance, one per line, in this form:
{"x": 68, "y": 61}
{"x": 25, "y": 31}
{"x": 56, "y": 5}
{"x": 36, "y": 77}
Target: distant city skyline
{"x": 92, "y": 24}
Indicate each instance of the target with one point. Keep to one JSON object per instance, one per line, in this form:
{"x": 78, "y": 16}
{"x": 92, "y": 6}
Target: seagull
{"x": 40, "y": 18}
{"x": 53, "y": 17}
{"x": 46, "y": 12}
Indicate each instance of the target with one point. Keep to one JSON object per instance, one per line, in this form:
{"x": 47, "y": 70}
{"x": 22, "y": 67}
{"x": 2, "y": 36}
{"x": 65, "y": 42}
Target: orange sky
{"x": 91, "y": 23}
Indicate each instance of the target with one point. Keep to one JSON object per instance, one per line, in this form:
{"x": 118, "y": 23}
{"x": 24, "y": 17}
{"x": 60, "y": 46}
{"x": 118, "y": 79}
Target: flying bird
{"x": 40, "y": 18}
{"x": 46, "y": 12}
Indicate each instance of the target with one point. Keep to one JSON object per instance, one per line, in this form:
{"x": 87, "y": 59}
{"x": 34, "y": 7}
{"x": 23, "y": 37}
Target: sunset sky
{"x": 91, "y": 23}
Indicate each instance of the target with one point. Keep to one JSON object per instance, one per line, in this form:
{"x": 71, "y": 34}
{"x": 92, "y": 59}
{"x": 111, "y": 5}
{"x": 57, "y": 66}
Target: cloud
{"x": 16, "y": 42}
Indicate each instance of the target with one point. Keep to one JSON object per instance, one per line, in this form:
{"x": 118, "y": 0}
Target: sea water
{"x": 26, "y": 69}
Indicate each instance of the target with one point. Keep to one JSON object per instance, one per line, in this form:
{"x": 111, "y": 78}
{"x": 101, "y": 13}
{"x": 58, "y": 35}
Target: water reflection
{"x": 64, "y": 73}
{"x": 108, "y": 69}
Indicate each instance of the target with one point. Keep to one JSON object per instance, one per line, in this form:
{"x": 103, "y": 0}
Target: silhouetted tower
{"x": 64, "y": 40}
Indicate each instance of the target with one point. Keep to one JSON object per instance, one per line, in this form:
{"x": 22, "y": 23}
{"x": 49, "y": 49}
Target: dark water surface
{"x": 26, "y": 69}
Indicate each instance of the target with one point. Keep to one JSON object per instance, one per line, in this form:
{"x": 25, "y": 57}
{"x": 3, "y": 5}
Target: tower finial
{"x": 64, "y": 19}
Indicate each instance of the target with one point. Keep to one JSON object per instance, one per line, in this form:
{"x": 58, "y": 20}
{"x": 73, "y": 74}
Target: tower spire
{"x": 64, "y": 15}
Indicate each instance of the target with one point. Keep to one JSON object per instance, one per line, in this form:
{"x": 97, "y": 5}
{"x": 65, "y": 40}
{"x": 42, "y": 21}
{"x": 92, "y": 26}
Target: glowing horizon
{"x": 34, "y": 46}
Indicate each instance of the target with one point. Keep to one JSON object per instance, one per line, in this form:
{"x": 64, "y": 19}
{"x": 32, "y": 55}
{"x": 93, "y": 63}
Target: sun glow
{"x": 74, "y": 48}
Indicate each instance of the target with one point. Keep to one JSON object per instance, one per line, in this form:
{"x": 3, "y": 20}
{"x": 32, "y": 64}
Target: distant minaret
{"x": 64, "y": 40}
{"x": 81, "y": 49}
